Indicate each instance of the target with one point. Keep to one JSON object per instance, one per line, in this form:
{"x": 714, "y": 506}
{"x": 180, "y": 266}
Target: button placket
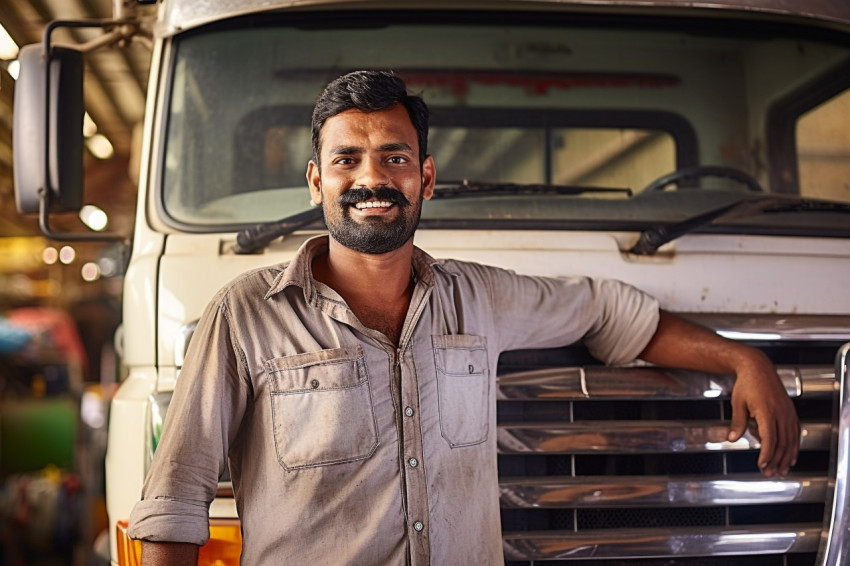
{"x": 414, "y": 478}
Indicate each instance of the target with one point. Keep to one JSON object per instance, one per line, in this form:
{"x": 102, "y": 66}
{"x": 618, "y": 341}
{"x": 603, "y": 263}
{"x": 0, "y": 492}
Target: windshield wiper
{"x": 452, "y": 189}
{"x": 653, "y": 238}
{"x": 252, "y": 239}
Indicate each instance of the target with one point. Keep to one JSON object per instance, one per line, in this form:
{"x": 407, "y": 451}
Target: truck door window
{"x": 823, "y": 149}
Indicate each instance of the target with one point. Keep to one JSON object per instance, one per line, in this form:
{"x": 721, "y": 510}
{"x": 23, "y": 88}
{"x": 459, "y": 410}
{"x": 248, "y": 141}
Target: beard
{"x": 374, "y": 235}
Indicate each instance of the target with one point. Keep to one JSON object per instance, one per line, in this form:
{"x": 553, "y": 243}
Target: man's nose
{"x": 372, "y": 173}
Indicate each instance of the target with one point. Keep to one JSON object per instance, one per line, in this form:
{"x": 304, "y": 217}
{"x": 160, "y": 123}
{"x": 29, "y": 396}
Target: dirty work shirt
{"x": 344, "y": 449}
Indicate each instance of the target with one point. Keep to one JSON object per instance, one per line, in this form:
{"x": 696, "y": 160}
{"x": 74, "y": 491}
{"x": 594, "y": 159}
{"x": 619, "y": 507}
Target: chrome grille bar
{"x": 643, "y": 383}
{"x": 556, "y": 492}
{"x": 639, "y": 437}
{"x": 648, "y": 543}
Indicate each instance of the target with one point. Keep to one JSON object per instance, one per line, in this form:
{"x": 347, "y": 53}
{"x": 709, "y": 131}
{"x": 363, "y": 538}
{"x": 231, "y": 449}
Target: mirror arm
{"x": 44, "y": 226}
{"x": 105, "y": 40}
{"x": 126, "y": 29}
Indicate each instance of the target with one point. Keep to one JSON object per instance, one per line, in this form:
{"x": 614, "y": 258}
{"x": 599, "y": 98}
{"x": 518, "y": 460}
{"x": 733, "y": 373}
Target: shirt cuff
{"x": 170, "y": 520}
{"x": 632, "y": 319}
{"x": 629, "y": 349}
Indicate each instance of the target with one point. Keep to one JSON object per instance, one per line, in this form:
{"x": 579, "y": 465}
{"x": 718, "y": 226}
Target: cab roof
{"x": 180, "y": 15}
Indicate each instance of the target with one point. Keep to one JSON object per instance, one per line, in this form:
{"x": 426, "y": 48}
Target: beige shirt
{"x": 344, "y": 449}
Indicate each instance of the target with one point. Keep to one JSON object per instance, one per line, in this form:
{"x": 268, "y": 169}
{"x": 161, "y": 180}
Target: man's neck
{"x": 346, "y": 270}
{"x": 377, "y": 287}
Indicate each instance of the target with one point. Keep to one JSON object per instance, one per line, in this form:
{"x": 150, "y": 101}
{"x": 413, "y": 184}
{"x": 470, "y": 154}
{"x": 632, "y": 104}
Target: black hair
{"x": 370, "y": 91}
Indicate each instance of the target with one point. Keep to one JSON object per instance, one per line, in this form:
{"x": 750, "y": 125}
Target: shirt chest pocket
{"x": 321, "y": 408}
{"x": 463, "y": 384}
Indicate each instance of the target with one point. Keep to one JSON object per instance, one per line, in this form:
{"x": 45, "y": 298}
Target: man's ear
{"x": 429, "y": 177}
{"x": 314, "y": 182}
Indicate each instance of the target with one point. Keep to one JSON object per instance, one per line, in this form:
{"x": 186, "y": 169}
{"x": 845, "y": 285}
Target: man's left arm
{"x": 758, "y": 392}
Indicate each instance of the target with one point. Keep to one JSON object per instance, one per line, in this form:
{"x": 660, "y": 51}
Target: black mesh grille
{"x": 650, "y": 518}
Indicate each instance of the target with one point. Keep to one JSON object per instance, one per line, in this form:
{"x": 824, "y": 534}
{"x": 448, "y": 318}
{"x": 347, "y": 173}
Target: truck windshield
{"x": 626, "y": 105}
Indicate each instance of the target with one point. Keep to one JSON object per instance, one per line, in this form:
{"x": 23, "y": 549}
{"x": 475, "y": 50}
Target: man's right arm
{"x": 169, "y": 553}
{"x": 204, "y": 416}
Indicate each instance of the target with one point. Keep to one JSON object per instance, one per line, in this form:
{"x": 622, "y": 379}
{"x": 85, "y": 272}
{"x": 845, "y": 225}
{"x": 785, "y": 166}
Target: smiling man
{"x": 351, "y": 391}
{"x": 370, "y": 176}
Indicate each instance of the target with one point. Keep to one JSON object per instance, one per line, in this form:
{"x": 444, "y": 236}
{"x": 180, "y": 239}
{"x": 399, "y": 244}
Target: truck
{"x": 698, "y": 150}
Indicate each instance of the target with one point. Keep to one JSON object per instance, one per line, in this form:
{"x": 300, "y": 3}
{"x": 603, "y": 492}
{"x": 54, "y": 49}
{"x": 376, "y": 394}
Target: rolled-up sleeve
{"x": 164, "y": 519}
{"x": 624, "y": 324}
{"x": 203, "y": 418}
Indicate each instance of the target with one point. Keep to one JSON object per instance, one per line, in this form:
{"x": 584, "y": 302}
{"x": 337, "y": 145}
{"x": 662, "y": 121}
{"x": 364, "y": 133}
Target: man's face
{"x": 370, "y": 183}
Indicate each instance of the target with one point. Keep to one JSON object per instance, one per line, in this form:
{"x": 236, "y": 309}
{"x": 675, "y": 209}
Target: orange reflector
{"x": 223, "y": 548}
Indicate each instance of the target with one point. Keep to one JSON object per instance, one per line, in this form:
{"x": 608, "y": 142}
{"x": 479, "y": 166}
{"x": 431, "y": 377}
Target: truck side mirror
{"x": 47, "y": 136}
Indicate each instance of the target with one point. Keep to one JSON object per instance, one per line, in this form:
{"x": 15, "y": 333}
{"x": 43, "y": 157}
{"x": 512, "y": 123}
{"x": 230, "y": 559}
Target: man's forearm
{"x": 682, "y": 344}
{"x": 758, "y": 392}
{"x": 169, "y": 553}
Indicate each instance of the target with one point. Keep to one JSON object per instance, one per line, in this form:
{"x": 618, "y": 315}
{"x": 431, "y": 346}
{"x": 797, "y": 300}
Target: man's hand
{"x": 758, "y": 392}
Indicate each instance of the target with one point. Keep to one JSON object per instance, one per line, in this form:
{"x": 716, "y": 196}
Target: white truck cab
{"x": 697, "y": 150}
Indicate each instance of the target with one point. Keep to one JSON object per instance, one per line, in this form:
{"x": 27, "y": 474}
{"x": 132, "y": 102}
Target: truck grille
{"x": 630, "y": 466}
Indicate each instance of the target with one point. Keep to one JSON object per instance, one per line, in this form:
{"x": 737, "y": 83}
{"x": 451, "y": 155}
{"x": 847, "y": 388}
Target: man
{"x": 352, "y": 390}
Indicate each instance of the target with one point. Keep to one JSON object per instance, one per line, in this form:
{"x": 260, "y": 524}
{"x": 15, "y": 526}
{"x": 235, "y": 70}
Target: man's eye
{"x": 397, "y": 159}
{"x": 344, "y": 161}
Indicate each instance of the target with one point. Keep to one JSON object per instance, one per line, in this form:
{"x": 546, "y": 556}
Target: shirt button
{"x": 418, "y": 526}
{"x": 408, "y": 411}
{"x": 413, "y": 462}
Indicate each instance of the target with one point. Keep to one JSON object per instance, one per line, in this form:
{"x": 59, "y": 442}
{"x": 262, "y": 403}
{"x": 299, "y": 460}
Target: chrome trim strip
{"x": 558, "y": 492}
{"x": 181, "y": 342}
{"x": 639, "y": 437}
{"x": 662, "y": 543}
{"x": 776, "y": 327}
{"x": 648, "y": 383}
{"x": 835, "y": 550}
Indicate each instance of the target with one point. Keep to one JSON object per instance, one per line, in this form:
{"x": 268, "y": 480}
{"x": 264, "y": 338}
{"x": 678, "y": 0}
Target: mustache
{"x": 363, "y": 194}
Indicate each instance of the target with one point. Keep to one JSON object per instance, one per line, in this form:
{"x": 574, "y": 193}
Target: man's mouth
{"x": 363, "y": 198}
{"x": 373, "y": 204}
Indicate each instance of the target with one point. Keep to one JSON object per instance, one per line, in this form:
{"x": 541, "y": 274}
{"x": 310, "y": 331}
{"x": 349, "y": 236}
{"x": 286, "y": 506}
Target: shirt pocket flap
{"x": 297, "y": 373}
{"x": 460, "y": 354}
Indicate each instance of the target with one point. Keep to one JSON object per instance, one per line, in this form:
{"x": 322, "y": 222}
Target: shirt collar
{"x": 298, "y": 272}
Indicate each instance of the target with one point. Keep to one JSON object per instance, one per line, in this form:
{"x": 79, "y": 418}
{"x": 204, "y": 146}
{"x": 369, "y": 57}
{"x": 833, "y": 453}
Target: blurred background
{"x": 60, "y": 307}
